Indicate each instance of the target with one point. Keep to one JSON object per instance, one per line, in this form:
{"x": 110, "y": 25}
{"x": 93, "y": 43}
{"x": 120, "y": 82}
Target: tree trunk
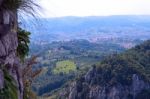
{"x": 8, "y": 46}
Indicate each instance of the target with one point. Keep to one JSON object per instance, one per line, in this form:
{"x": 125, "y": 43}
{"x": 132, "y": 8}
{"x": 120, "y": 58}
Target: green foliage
{"x": 120, "y": 68}
{"x": 64, "y": 67}
{"x": 26, "y": 6}
{"x": 10, "y": 90}
{"x": 23, "y": 43}
{"x": 82, "y": 53}
{"x": 117, "y": 69}
{"x": 29, "y": 94}
{"x": 28, "y": 75}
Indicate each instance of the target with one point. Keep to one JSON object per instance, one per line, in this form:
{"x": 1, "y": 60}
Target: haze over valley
{"x": 92, "y": 28}
{"x": 69, "y": 46}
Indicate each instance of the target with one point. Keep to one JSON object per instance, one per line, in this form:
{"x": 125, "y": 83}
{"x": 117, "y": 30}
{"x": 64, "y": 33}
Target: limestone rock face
{"x": 97, "y": 91}
{"x": 138, "y": 85}
{"x": 73, "y": 91}
{"x": 8, "y": 46}
{"x": 90, "y": 74}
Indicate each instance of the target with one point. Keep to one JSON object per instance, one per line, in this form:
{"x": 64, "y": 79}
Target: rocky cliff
{"x": 8, "y": 46}
{"x": 118, "y": 91}
{"x": 124, "y": 76}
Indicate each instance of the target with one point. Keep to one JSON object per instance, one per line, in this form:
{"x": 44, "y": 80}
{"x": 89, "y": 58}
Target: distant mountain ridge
{"x": 71, "y": 27}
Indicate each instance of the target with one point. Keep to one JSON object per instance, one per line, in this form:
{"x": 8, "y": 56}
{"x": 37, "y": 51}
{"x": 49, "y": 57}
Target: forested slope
{"x": 122, "y": 76}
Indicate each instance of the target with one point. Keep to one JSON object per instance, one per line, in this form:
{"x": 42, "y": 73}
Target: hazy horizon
{"x": 96, "y": 16}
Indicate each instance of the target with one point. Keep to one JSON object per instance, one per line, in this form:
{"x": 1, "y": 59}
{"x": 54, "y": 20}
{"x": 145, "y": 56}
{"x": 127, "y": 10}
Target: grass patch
{"x": 64, "y": 67}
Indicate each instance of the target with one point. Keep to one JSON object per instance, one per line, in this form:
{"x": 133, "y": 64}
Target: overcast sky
{"x": 58, "y": 8}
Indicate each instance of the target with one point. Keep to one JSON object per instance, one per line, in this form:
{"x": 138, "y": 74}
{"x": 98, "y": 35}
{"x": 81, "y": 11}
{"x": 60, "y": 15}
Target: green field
{"x": 65, "y": 67}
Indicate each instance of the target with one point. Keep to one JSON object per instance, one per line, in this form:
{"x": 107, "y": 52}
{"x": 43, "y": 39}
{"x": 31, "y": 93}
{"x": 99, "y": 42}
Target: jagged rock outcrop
{"x": 73, "y": 91}
{"x": 90, "y": 74}
{"x": 123, "y": 76}
{"x": 8, "y": 46}
{"x": 117, "y": 91}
